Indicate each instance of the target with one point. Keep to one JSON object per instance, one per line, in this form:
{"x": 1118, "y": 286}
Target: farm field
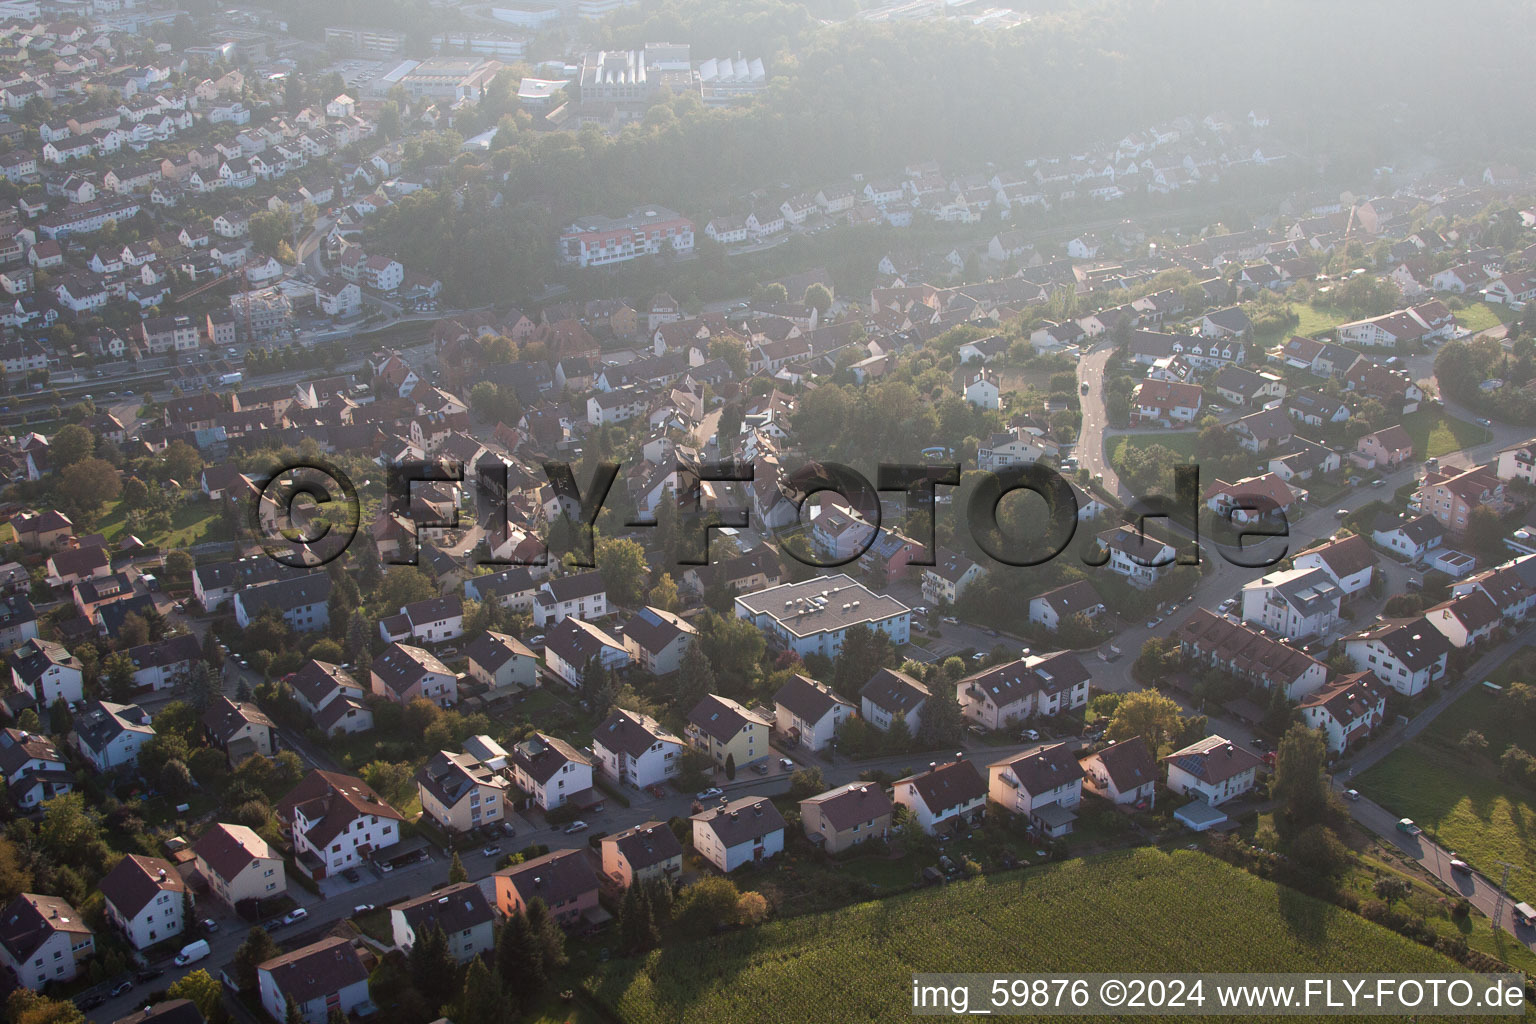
{"x": 1435, "y": 434}
{"x": 1458, "y": 797}
{"x": 856, "y": 963}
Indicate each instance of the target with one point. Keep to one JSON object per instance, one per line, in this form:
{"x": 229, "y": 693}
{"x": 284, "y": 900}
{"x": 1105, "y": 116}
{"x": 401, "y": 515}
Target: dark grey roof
{"x": 742, "y": 820}
{"x": 452, "y": 908}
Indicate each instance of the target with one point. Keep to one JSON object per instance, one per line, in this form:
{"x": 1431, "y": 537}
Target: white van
{"x": 192, "y": 952}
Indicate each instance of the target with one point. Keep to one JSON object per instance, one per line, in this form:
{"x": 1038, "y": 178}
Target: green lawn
{"x": 1145, "y": 910}
{"x": 1435, "y": 434}
{"x": 1316, "y": 320}
{"x": 1479, "y": 316}
{"x": 1179, "y": 441}
{"x": 1460, "y": 798}
{"x": 191, "y": 523}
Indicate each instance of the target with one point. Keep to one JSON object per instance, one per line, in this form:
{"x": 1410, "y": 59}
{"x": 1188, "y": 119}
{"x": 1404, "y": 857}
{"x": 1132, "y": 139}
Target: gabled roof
{"x": 806, "y": 699}
{"x": 541, "y": 756}
{"x": 453, "y": 908}
{"x": 224, "y": 718}
{"x": 230, "y": 849}
{"x": 630, "y": 732}
{"x": 401, "y": 666}
{"x": 1128, "y": 764}
{"x": 722, "y": 718}
{"x": 317, "y": 970}
{"x": 553, "y": 878}
{"x": 1214, "y": 759}
{"x": 1411, "y": 641}
{"x": 136, "y": 881}
{"x": 893, "y": 691}
{"x": 854, "y": 803}
{"x": 316, "y": 680}
{"x": 332, "y": 801}
{"x": 1045, "y": 769}
{"x": 947, "y": 786}
{"x": 29, "y": 920}
{"x": 646, "y": 844}
{"x": 741, "y": 821}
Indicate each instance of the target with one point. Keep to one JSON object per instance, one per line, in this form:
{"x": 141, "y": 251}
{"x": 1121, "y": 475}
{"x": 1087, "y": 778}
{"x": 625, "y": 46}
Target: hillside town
{"x": 601, "y": 663}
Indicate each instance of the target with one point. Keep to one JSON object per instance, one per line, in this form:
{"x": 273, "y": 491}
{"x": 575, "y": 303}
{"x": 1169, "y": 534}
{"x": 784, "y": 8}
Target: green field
{"x": 1479, "y": 316}
{"x": 1179, "y": 441}
{"x": 1435, "y": 434}
{"x": 192, "y": 523}
{"x": 1459, "y": 798}
{"x": 1316, "y": 320}
{"x": 1144, "y": 910}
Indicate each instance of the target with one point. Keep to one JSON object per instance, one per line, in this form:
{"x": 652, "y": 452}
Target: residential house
{"x": 636, "y": 750}
{"x": 239, "y": 865}
{"x": 943, "y": 796}
{"x": 1347, "y": 710}
{"x": 460, "y": 793}
{"x": 641, "y": 853}
{"x": 1451, "y": 496}
{"x": 325, "y": 978}
{"x": 1214, "y": 770}
{"x": 573, "y": 643}
{"x": 1467, "y": 619}
{"x": 892, "y": 696}
{"x": 460, "y": 911}
{"x": 1407, "y": 654}
{"x": 1166, "y": 403}
{"x": 658, "y": 639}
{"x": 146, "y": 899}
{"x": 501, "y": 662}
{"x": 43, "y": 939}
{"x": 749, "y": 830}
{"x": 337, "y": 822}
{"x": 47, "y": 671}
{"x": 1348, "y": 561}
{"x": 1043, "y": 785}
{"x": 1060, "y": 605}
{"x": 550, "y": 770}
{"x": 110, "y": 736}
{"x": 841, "y": 818}
{"x": 1412, "y": 537}
{"x": 240, "y": 729}
{"x": 563, "y": 880}
{"x": 403, "y": 673}
{"x": 814, "y": 615}
{"x": 584, "y": 595}
{"x": 1123, "y": 773}
{"x": 1248, "y": 654}
{"x": 1004, "y": 695}
{"x": 33, "y": 769}
{"x": 1295, "y": 603}
{"x": 728, "y": 732}
{"x": 1136, "y": 555}
{"x": 1384, "y": 449}
{"x": 807, "y": 713}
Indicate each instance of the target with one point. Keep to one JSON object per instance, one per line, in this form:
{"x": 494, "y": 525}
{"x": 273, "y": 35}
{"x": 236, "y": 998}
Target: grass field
{"x": 1479, "y": 316}
{"x": 192, "y": 523}
{"x": 1140, "y": 911}
{"x": 1316, "y": 320}
{"x": 1435, "y": 434}
{"x": 1182, "y": 442}
{"x": 1460, "y": 798}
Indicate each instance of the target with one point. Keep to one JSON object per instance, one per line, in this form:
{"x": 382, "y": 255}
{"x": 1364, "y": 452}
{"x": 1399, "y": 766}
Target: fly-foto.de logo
{"x": 308, "y": 514}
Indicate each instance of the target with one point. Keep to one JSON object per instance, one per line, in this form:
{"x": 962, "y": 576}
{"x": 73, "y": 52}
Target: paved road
{"x": 1090, "y": 443}
{"x": 1480, "y": 890}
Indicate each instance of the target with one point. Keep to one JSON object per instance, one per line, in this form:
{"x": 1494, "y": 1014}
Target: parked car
{"x": 123, "y": 986}
{"x": 575, "y": 826}
{"x": 295, "y": 915}
{"x": 761, "y": 768}
{"x": 507, "y": 829}
{"x": 91, "y": 1002}
{"x": 708, "y": 794}
{"x": 362, "y": 908}
{"x": 1154, "y": 622}
{"x": 210, "y": 925}
{"x": 351, "y": 875}
{"x": 491, "y": 851}
{"x": 1341, "y": 513}
{"x": 1029, "y": 734}
{"x": 1352, "y": 794}
{"x": 148, "y": 974}
{"x": 1083, "y": 387}
{"x": 447, "y": 652}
